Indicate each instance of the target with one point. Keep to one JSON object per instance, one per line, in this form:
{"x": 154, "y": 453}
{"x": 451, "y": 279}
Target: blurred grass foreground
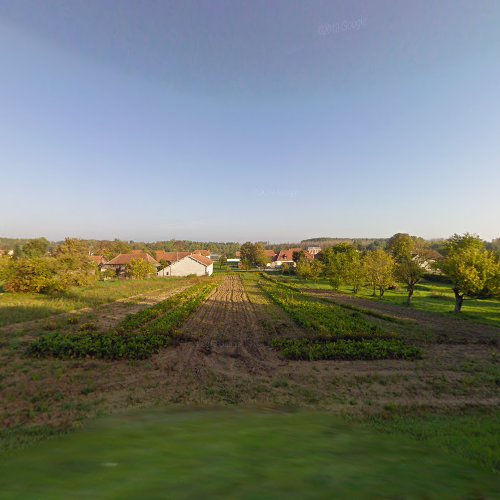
{"x": 202, "y": 454}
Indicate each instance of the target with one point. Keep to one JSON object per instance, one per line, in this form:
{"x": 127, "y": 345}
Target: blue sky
{"x": 262, "y": 120}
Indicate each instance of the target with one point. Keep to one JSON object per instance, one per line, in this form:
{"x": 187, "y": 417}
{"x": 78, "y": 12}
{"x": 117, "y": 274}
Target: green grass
{"x": 431, "y": 297}
{"x": 239, "y": 455}
{"x": 18, "y": 307}
{"x": 474, "y": 437}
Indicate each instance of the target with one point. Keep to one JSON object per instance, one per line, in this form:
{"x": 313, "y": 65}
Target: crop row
{"x": 321, "y": 317}
{"x": 346, "y": 349}
{"x": 336, "y": 332}
{"x": 118, "y": 344}
{"x": 136, "y": 321}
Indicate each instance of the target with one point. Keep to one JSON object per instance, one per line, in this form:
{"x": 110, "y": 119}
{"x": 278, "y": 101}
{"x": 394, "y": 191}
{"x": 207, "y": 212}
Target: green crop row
{"x": 141, "y": 344}
{"x": 166, "y": 323}
{"x": 99, "y": 345}
{"x": 137, "y": 320}
{"x": 346, "y": 349}
{"x": 323, "y": 318}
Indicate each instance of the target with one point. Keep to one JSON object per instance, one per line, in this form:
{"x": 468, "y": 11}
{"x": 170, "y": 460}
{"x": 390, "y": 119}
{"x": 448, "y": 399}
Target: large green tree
{"x": 252, "y": 255}
{"x": 37, "y": 247}
{"x": 400, "y": 246}
{"x": 471, "y": 268}
{"x": 411, "y": 257}
{"x": 342, "y": 265}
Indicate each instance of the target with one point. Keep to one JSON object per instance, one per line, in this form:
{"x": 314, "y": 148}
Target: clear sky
{"x": 261, "y": 120}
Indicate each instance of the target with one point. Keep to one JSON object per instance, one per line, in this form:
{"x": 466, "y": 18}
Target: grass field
{"x": 432, "y": 297}
{"x": 245, "y": 454}
{"x": 19, "y": 307}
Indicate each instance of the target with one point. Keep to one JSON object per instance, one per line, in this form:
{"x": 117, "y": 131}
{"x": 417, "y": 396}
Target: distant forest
{"x": 110, "y": 248}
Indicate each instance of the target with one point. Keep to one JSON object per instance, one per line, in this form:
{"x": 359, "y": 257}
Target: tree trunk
{"x": 374, "y": 290}
{"x": 410, "y": 295}
{"x": 382, "y": 291}
{"x": 459, "y": 300}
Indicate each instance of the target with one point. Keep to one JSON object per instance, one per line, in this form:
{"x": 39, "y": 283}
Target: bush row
{"x": 99, "y": 345}
{"x": 346, "y": 349}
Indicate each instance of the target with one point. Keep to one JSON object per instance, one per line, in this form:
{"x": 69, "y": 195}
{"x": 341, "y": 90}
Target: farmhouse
{"x": 120, "y": 262}
{"x": 98, "y": 259}
{"x": 160, "y": 255}
{"x": 286, "y": 256}
{"x": 186, "y": 265}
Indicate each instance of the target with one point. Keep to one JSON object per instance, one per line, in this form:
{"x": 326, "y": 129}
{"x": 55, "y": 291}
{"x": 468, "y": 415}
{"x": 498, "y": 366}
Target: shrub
{"x": 346, "y": 349}
{"x": 99, "y": 345}
{"x": 140, "y": 269}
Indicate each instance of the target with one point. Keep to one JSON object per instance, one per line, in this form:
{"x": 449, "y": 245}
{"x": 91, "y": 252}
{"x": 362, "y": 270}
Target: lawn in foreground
{"x": 201, "y": 454}
{"x": 18, "y": 307}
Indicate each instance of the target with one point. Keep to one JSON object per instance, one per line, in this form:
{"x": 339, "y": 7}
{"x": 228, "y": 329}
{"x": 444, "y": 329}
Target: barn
{"x": 187, "y": 265}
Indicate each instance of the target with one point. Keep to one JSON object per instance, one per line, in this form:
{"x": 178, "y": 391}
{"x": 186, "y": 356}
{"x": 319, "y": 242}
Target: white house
{"x": 196, "y": 264}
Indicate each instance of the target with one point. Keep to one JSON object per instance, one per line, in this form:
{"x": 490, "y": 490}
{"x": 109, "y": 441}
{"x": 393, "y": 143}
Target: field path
{"x": 223, "y": 341}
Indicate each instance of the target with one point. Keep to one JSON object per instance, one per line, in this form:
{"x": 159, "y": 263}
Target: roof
{"x": 205, "y": 253}
{"x": 201, "y": 259}
{"x": 175, "y": 256}
{"x": 124, "y": 258}
{"x": 170, "y": 256}
{"x": 98, "y": 259}
{"x": 287, "y": 254}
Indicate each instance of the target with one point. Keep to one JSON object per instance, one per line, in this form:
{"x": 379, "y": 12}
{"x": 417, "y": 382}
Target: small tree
{"x": 222, "y": 261}
{"x": 139, "y": 269}
{"x": 410, "y": 270}
{"x": 303, "y": 269}
{"x": 471, "y": 267}
{"x": 247, "y": 255}
{"x": 298, "y": 255}
{"x": 355, "y": 272}
{"x": 260, "y": 258}
{"x": 379, "y": 267}
{"x": 252, "y": 255}
{"x": 342, "y": 265}
{"x": 400, "y": 246}
{"x": 36, "y": 248}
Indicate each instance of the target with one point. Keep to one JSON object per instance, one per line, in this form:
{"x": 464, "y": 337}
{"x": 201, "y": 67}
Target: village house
{"x": 120, "y": 262}
{"x": 99, "y": 260}
{"x": 186, "y": 265}
{"x": 286, "y": 256}
{"x": 160, "y": 255}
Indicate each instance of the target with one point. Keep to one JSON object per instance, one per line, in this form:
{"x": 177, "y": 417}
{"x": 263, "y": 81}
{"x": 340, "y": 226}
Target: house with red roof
{"x": 186, "y": 265}
{"x": 286, "y": 256}
{"x": 120, "y": 262}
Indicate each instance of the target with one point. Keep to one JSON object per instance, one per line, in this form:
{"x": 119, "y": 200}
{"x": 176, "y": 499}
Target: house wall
{"x": 185, "y": 267}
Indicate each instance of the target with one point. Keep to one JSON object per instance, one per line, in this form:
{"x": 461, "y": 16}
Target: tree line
{"x": 38, "y": 266}
{"x": 470, "y": 265}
